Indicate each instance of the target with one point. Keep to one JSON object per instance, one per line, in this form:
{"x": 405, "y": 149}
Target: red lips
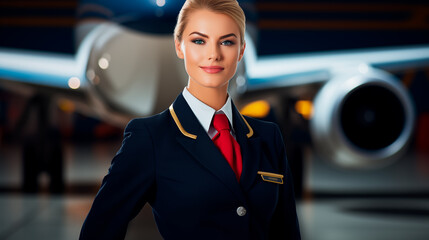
{"x": 212, "y": 69}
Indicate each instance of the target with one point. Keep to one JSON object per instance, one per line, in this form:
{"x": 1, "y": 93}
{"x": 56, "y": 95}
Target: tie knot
{"x": 220, "y": 122}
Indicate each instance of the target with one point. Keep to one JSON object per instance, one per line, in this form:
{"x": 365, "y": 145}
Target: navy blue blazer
{"x": 169, "y": 161}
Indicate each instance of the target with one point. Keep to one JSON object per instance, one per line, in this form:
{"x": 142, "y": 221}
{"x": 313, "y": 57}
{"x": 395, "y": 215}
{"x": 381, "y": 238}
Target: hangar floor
{"x": 325, "y": 212}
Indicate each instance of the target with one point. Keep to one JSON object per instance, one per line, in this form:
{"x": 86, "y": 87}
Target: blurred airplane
{"x": 125, "y": 66}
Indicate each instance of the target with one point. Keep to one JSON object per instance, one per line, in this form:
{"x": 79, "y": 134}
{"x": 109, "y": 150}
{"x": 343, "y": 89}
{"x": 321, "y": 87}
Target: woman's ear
{"x": 178, "y": 47}
{"x": 242, "y": 52}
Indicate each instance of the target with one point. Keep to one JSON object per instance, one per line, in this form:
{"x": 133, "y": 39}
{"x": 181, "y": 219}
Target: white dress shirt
{"x": 205, "y": 113}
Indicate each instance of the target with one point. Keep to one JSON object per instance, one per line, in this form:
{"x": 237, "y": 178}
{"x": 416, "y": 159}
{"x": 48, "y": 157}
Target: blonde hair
{"x": 230, "y": 8}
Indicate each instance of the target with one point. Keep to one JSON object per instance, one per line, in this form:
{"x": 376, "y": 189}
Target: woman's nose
{"x": 214, "y": 52}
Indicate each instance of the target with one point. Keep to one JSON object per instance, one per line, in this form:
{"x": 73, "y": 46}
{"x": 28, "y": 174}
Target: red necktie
{"x": 226, "y": 143}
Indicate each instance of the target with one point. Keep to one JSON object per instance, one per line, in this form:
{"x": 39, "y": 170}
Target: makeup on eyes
{"x": 198, "y": 41}
{"x": 224, "y": 43}
{"x": 228, "y": 43}
{"x": 201, "y": 41}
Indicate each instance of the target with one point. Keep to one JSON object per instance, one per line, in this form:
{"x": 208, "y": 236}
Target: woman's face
{"x": 211, "y": 48}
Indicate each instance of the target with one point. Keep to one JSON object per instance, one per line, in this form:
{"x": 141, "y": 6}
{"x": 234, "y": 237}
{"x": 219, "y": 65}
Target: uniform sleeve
{"x": 284, "y": 224}
{"x": 128, "y": 185}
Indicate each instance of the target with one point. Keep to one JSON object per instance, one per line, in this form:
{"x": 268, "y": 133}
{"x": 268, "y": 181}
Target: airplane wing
{"x": 36, "y": 68}
{"x": 59, "y": 75}
{"x": 119, "y": 73}
{"x": 270, "y": 72}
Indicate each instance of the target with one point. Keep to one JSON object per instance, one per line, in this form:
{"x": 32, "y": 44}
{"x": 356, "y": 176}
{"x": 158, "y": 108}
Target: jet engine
{"x": 363, "y": 118}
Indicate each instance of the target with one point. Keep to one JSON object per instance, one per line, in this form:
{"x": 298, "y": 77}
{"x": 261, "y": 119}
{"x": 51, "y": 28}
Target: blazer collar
{"x": 182, "y": 109}
{"x": 196, "y": 141}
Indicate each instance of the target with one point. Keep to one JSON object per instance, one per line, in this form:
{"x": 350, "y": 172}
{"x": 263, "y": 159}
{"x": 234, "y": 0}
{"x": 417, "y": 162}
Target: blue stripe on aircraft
{"x": 36, "y": 79}
{"x": 287, "y": 80}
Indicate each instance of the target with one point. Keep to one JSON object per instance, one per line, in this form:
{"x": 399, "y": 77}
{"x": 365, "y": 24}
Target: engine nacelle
{"x": 362, "y": 118}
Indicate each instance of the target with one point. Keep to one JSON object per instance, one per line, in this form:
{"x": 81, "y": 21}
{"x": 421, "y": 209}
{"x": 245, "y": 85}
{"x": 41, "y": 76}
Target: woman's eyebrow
{"x": 198, "y": 33}
{"x": 206, "y": 36}
{"x": 228, "y": 35}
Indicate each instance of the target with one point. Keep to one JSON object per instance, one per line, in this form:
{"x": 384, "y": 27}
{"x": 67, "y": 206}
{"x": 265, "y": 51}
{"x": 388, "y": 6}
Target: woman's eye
{"x": 198, "y": 41}
{"x": 227, "y": 43}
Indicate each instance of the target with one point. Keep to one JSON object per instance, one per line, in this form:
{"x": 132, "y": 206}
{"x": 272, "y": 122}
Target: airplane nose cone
{"x": 134, "y": 73}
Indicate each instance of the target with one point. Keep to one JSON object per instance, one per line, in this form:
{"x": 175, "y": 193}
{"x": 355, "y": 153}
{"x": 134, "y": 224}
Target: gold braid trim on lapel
{"x": 250, "y": 129}
{"x": 179, "y": 125}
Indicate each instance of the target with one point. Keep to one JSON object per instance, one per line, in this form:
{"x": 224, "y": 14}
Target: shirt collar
{"x": 205, "y": 113}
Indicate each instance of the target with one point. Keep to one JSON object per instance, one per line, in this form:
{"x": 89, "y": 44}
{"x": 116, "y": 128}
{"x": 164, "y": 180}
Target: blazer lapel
{"x": 250, "y": 149}
{"x": 196, "y": 141}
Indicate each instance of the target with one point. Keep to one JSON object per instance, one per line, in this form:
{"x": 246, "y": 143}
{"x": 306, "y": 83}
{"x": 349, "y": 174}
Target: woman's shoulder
{"x": 260, "y": 124}
{"x": 151, "y": 122}
{"x": 263, "y": 128}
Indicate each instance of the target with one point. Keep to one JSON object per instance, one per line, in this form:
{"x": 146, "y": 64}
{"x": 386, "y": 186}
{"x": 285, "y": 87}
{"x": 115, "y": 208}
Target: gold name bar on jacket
{"x": 271, "y": 177}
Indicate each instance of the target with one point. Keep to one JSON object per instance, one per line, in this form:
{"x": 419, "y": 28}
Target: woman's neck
{"x": 212, "y": 97}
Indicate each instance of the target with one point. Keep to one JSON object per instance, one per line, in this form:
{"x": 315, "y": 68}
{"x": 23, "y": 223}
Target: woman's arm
{"x": 125, "y": 189}
{"x": 284, "y": 224}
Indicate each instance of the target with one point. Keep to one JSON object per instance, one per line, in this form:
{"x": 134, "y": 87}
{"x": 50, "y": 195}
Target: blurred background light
{"x": 74, "y": 83}
{"x": 160, "y": 3}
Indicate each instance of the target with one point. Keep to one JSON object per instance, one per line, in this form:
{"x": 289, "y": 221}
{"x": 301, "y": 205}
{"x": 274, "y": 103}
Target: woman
{"x": 207, "y": 171}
